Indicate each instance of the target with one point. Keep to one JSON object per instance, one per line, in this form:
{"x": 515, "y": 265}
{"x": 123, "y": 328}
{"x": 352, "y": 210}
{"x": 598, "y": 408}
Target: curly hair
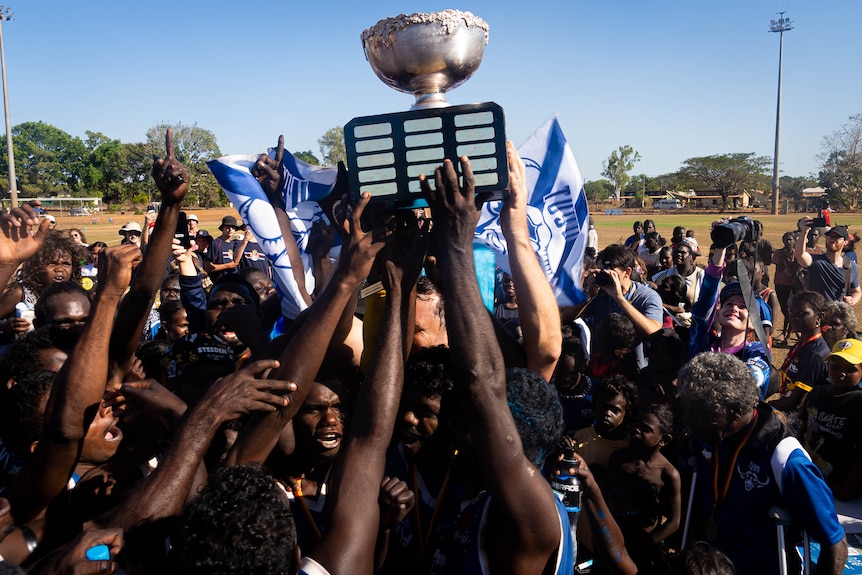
{"x": 23, "y": 357}
{"x": 618, "y": 385}
{"x": 701, "y": 558}
{"x": 718, "y": 383}
{"x": 152, "y": 354}
{"x": 814, "y": 300}
{"x": 426, "y": 290}
{"x": 662, "y": 413}
{"x": 239, "y": 523}
{"x": 56, "y": 244}
{"x": 430, "y": 370}
{"x": 538, "y": 413}
{"x": 42, "y": 309}
{"x": 615, "y": 331}
{"x": 23, "y": 410}
{"x": 838, "y": 314}
{"x": 168, "y": 309}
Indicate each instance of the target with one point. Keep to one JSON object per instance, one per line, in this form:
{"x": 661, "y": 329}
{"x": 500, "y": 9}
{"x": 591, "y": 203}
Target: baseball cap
{"x": 192, "y": 217}
{"x": 198, "y": 355}
{"x": 51, "y": 219}
{"x": 731, "y": 289}
{"x": 839, "y": 230}
{"x": 850, "y": 350}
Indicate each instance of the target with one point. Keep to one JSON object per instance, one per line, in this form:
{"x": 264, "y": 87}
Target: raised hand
{"x": 150, "y": 396}
{"x": 116, "y": 266}
{"x": 270, "y": 173}
{"x": 513, "y": 217}
{"x": 170, "y": 175}
{"x": 364, "y": 246}
{"x": 405, "y": 254}
{"x": 239, "y": 393}
{"x": 454, "y": 208}
{"x": 396, "y": 501}
{"x": 16, "y": 241}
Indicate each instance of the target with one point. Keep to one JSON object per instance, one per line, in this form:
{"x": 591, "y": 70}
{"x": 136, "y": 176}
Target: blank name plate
{"x": 386, "y": 154}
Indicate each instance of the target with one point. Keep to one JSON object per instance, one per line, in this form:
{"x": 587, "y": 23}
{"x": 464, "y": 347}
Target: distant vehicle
{"x": 79, "y": 212}
{"x": 668, "y": 205}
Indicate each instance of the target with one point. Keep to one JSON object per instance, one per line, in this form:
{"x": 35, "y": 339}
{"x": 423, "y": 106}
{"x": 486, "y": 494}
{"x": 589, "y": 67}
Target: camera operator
{"x": 830, "y": 274}
{"x": 618, "y": 293}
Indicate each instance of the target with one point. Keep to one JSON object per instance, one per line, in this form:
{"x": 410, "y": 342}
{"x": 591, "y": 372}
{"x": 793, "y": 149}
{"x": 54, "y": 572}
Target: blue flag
{"x": 303, "y": 185}
{"x": 557, "y": 213}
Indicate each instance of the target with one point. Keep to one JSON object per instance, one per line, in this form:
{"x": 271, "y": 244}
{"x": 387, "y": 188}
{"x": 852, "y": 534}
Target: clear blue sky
{"x": 673, "y": 79}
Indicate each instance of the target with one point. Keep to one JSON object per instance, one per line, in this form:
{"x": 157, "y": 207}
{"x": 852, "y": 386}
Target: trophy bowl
{"x": 426, "y": 54}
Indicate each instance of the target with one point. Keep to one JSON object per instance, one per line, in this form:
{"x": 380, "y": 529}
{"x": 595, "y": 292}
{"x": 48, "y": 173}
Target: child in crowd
{"x": 672, "y": 290}
{"x": 804, "y": 368}
{"x": 614, "y": 402}
{"x": 645, "y": 495}
{"x": 831, "y": 429}
{"x": 692, "y": 241}
{"x": 615, "y": 336}
{"x": 665, "y": 259}
{"x": 572, "y": 383}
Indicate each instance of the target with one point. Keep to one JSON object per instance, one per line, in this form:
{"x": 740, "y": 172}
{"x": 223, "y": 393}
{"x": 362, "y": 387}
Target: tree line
{"x": 50, "y": 162}
{"x": 840, "y": 173}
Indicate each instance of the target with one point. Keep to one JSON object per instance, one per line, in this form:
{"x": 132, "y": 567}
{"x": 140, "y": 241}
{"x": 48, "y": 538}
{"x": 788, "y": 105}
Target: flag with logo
{"x": 304, "y": 184}
{"x": 557, "y": 213}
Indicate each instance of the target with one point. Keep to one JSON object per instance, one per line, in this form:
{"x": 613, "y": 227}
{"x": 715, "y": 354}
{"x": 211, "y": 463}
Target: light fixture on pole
{"x": 781, "y": 25}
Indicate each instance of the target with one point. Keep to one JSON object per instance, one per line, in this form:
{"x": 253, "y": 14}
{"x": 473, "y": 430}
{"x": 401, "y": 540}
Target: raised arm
{"x": 17, "y": 244}
{"x": 348, "y": 546}
{"x": 523, "y": 511}
{"x": 77, "y": 390}
{"x": 803, "y": 257}
{"x": 270, "y": 173}
{"x": 301, "y": 359}
{"x": 164, "y": 492}
{"x": 172, "y": 180}
{"x": 537, "y": 307}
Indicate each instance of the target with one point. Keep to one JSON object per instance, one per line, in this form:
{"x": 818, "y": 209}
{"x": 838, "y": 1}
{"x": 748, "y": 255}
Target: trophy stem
{"x": 431, "y": 100}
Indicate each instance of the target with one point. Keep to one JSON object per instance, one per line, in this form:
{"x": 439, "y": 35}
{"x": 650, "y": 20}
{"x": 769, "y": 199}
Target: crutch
{"x": 692, "y": 462}
{"x": 783, "y": 520}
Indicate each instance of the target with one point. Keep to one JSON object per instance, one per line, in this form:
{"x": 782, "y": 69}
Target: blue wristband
{"x": 99, "y": 553}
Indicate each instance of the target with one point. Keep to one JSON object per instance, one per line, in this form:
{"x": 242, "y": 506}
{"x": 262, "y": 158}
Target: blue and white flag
{"x": 557, "y": 213}
{"x": 304, "y": 184}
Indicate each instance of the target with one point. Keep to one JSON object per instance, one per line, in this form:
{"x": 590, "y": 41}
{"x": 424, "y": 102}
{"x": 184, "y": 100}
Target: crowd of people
{"x": 159, "y": 415}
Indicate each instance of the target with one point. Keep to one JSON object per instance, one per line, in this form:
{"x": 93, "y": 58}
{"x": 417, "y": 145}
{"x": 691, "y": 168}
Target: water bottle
{"x": 567, "y": 488}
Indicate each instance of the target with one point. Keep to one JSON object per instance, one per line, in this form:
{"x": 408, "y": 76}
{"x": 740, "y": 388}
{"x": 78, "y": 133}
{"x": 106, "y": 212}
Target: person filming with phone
{"x": 830, "y": 274}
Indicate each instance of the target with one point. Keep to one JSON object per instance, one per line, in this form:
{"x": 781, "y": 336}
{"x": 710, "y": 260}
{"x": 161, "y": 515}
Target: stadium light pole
{"x": 6, "y": 14}
{"x": 781, "y": 26}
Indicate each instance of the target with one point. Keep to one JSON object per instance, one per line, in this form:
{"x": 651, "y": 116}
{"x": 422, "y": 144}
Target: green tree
{"x": 332, "y": 146}
{"x": 598, "y": 190}
{"x": 791, "y": 187}
{"x": 841, "y": 170}
{"x": 308, "y": 157}
{"x": 725, "y": 173}
{"x": 618, "y": 165}
{"x": 193, "y": 146}
{"x": 48, "y": 161}
{"x": 118, "y": 172}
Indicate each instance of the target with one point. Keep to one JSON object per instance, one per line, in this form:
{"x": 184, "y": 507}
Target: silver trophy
{"x": 426, "y": 54}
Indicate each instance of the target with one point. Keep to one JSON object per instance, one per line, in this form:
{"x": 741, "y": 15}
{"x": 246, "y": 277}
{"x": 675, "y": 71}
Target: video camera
{"x": 732, "y": 231}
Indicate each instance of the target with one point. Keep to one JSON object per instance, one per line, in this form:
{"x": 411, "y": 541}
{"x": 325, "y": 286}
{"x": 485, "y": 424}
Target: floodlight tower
{"x": 781, "y": 26}
{"x": 6, "y": 14}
